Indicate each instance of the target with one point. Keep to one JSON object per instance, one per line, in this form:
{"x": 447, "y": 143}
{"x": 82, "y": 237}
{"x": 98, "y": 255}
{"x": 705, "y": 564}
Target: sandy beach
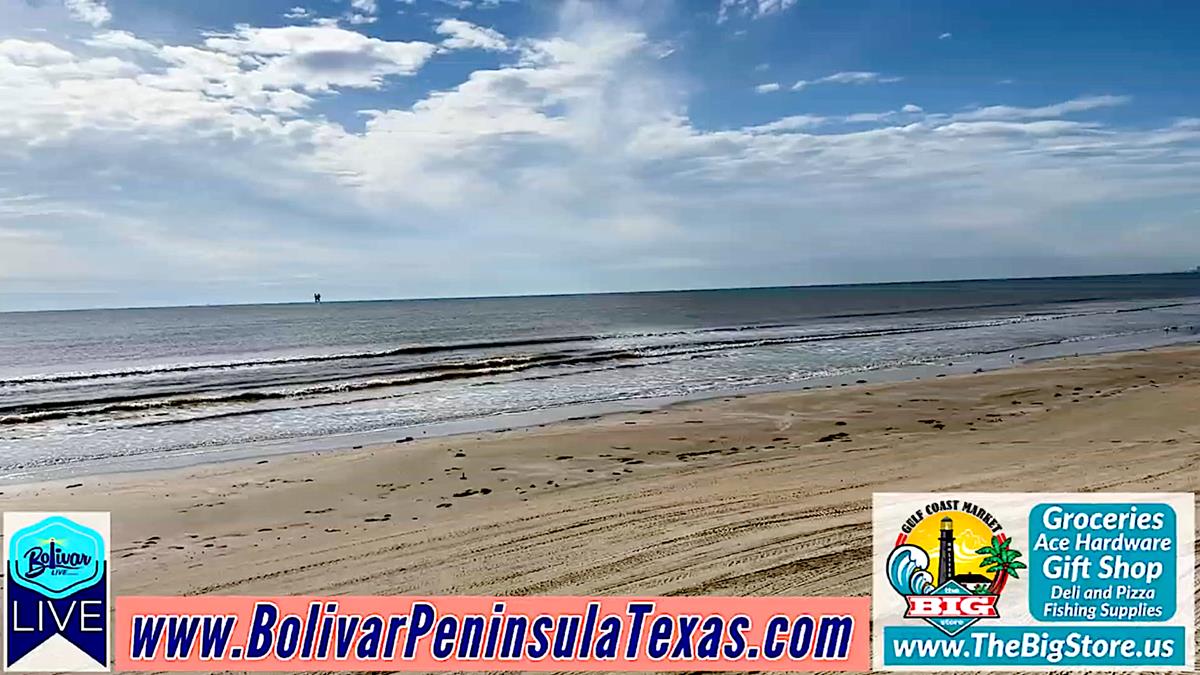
{"x": 757, "y": 495}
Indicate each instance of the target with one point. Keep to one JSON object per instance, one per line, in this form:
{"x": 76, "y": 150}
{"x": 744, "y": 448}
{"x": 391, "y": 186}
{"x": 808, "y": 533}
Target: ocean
{"x": 100, "y": 390}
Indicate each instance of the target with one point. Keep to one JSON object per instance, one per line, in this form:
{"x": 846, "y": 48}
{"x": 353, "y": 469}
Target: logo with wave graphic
{"x": 951, "y": 562}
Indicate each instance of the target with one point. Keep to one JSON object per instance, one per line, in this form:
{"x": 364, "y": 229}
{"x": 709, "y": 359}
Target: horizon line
{"x": 575, "y": 294}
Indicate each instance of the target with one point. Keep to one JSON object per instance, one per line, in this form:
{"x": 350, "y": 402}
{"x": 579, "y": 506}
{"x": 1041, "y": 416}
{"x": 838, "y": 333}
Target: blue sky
{"x": 202, "y": 152}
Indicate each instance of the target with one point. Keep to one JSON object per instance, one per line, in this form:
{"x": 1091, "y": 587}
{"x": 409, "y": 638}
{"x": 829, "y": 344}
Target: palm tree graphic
{"x": 1003, "y": 561}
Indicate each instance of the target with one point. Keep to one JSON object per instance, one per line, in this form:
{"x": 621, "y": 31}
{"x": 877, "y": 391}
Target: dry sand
{"x": 759, "y": 495}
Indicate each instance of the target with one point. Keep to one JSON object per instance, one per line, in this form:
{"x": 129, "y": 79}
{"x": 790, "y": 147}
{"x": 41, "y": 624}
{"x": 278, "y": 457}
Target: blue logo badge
{"x": 56, "y": 557}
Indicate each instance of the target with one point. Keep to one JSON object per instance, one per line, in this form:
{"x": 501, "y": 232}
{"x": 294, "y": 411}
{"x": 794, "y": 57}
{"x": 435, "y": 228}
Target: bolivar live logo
{"x": 965, "y": 544}
{"x": 56, "y": 592}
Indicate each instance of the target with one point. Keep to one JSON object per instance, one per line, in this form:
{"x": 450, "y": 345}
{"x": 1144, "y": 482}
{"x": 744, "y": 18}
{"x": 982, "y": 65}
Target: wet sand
{"x": 757, "y": 495}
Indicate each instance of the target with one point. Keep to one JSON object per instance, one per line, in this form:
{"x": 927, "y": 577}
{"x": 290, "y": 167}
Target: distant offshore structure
{"x": 317, "y": 298}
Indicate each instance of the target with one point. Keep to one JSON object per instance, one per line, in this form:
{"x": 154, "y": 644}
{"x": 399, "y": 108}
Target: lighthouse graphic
{"x": 946, "y": 552}
{"x": 942, "y": 566}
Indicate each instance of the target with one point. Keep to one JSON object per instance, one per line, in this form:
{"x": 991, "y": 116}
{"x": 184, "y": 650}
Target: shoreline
{"x": 152, "y": 462}
{"x": 744, "y": 495}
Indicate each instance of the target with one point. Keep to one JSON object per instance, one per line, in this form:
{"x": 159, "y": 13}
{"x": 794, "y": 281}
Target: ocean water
{"x": 95, "y": 390}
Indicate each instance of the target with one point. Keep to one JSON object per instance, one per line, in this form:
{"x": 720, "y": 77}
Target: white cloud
{"x": 466, "y": 35}
{"x": 908, "y": 111}
{"x": 787, "y": 124}
{"x": 34, "y": 54}
{"x": 119, "y": 40}
{"x": 584, "y": 119}
{"x": 767, "y": 87}
{"x": 752, "y": 8}
{"x": 363, "y": 11}
{"x": 945, "y": 36}
{"x": 848, "y": 77}
{"x": 24, "y": 62}
{"x": 313, "y": 58}
{"x": 298, "y": 13}
{"x": 856, "y": 118}
{"x": 94, "y": 12}
{"x": 237, "y": 81}
{"x": 858, "y": 77}
{"x": 1004, "y": 112}
{"x": 1035, "y": 128}
{"x": 664, "y": 48}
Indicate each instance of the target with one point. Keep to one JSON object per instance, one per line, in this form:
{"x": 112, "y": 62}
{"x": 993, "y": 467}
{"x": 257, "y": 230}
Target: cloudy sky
{"x": 219, "y": 151}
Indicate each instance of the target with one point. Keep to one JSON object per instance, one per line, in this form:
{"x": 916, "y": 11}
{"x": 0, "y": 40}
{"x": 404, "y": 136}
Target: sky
{"x": 219, "y": 151}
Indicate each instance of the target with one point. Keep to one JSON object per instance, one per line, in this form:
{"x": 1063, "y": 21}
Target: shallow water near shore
{"x": 111, "y": 390}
